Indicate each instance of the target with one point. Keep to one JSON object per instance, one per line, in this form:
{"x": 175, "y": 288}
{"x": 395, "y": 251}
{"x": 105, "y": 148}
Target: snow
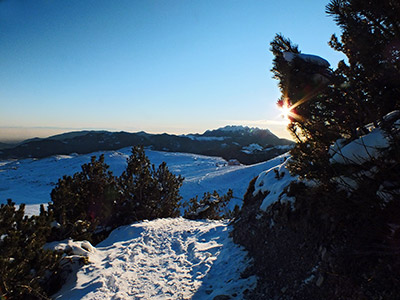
{"x": 366, "y": 148}
{"x": 59, "y": 157}
{"x": 360, "y": 150}
{"x": 391, "y": 117}
{"x": 236, "y": 128}
{"x": 74, "y": 248}
{"x": 205, "y": 138}
{"x": 314, "y": 59}
{"x": 30, "y": 181}
{"x": 252, "y": 148}
{"x": 281, "y": 147}
{"x": 161, "y": 259}
{"x": 268, "y": 181}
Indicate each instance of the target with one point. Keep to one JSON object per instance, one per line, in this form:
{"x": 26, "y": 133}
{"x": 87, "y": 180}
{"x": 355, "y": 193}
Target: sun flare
{"x": 286, "y": 112}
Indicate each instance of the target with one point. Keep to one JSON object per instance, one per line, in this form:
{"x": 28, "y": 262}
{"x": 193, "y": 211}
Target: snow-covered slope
{"x": 30, "y": 181}
{"x": 162, "y": 259}
{"x": 274, "y": 181}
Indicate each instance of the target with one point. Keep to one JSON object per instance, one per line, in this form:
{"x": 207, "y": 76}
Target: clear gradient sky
{"x": 175, "y": 66}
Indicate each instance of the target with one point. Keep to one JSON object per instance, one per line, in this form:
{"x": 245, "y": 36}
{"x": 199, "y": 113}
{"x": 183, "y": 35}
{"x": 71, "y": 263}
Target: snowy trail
{"x": 163, "y": 259}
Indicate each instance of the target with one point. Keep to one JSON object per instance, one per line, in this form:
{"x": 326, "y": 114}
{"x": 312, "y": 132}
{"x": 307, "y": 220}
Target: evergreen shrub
{"x": 211, "y": 206}
{"x": 92, "y": 202}
{"x": 27, "y": 271}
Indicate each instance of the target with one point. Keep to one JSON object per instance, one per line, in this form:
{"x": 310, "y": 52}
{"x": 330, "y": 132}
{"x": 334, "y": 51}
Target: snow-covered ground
{"x": 30, "y": 181}
{"x": 159, "y": 259}
{"x": 162, "y": 259}
{"x": 274, "y": 181}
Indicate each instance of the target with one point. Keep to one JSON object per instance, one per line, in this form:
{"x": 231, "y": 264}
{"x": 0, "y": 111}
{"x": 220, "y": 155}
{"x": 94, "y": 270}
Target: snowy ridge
{"x": 237, "y": 129}
{"x": 205, "y": 138}
{"x": 163, "y": 259}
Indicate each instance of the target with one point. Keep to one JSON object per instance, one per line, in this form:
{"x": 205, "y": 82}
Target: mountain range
{"x": 245, "y": 144}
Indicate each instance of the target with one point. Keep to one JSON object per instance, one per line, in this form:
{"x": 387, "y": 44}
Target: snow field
{"x": 30, "y": 181}
{"x": 163, "y": 259}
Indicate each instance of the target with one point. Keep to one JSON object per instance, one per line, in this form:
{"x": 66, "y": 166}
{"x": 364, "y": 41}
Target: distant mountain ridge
{"x": 238, "y": 129}
{"x": 228, "y": 142}
{"x": 6, "y": 145}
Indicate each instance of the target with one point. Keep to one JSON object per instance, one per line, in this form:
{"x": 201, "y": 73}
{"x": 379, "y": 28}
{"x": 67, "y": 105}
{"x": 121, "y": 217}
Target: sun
{"x": 286, "y": 112}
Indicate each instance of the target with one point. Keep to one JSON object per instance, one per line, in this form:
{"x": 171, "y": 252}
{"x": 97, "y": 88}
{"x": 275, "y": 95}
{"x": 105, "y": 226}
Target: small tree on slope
{"x": 84, "y": 201}
{"x": 147, "y": 192}
{"x": 89, "y": 204}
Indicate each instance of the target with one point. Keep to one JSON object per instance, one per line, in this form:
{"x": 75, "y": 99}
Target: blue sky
{"x": 176, "y": 66}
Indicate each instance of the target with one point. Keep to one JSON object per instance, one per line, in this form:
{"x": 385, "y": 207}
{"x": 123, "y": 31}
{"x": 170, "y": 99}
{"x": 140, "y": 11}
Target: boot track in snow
{"x": 163, "y": 259}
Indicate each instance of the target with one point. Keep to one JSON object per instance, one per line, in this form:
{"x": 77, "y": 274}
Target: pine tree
{"x": 361, "y": 90}
{"x": 370, "y": 40}
{"x": 147, "y": 192}
{"x": 84, "y": 201}
{"x": 89, "y": 204}
{"x": 166, "y": 192}
{"x": 351, "y": 232}
{"x": 135, "y": 183}
{"x": 306, "y": 87}
{"x": 331, "y": 104}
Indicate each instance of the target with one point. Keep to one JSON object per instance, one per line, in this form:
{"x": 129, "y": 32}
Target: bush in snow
{"x": 89, "y": 204}
{"x": 27, "y": 270}
{"x": 85, "y": 201}
{"x": 211, "y": 206}
{"x": 147, "y": 192}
